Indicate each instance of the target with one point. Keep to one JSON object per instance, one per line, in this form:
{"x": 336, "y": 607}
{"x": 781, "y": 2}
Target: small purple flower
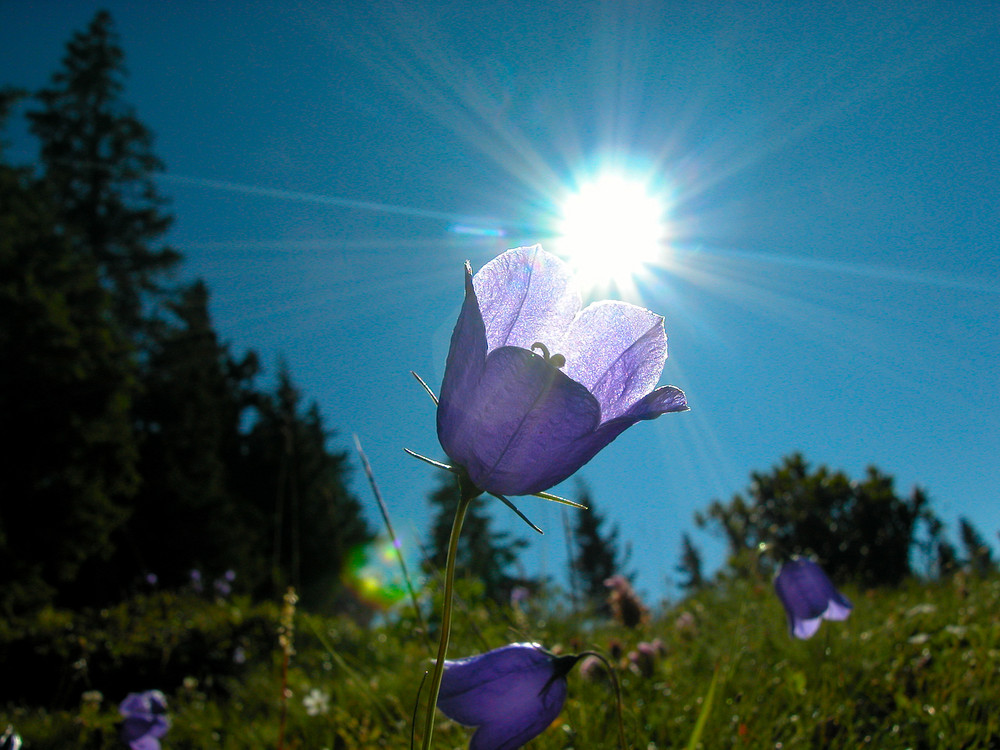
{"x": 511, "y": 694}
{"x": 535, "y": 387}
{"x": 809, "y": 597}
{"x": 145, "y": 720}
{"x": 519, "y": 594}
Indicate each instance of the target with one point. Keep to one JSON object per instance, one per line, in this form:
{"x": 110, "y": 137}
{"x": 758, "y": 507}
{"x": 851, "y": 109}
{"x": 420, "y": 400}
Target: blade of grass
{"x": 392, "y": 534}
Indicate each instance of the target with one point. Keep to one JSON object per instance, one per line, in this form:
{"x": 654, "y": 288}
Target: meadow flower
{"x": 316, "y": 702}
{"x": 626, "y": 606}
{"x": 809, "y": 597}
{"x": 534, "y": 386}
{"x": 145, "y": 719}
{"x": 643, "y": 660}
{"x": 511, "y": 694}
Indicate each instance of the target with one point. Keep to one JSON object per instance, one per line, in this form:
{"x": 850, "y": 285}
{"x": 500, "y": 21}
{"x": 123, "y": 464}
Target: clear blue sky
{"x": 834, "y": 285}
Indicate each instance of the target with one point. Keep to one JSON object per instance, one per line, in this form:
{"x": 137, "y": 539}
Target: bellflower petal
{"x": 145, "y": 720}
{"x": 511, "y": 694}
{"x": 519, "y": 422}
{"x": 808, "y": 597}
{"x": 525, "y": 295}
{"x": 617, "y": 351}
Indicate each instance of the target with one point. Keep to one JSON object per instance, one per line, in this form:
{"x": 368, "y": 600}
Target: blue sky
{"x": 832, "y": 280}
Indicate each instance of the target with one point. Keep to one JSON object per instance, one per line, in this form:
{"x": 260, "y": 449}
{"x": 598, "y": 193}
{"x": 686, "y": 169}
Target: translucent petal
{"x": 617, "y": 351}
{"x": 526, "y": 295}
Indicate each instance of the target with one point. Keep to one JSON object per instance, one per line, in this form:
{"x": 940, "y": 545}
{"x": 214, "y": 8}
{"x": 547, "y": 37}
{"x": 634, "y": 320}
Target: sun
{"x": 610, "y": 230}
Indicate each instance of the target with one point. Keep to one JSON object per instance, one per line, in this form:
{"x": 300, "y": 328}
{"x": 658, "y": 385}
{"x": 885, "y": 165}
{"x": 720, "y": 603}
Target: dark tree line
{"x": 859, "y": 530}
{"x": 138, "y": 443}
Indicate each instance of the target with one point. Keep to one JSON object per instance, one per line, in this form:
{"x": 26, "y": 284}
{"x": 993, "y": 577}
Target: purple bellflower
{"x": 809, "y": 597}
{"x": 511, "y": 694}
{"x": 535, "y": 387}
{"x": 145, "y": 720}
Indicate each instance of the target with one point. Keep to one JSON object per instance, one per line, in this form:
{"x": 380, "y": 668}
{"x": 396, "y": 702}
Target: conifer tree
{"x": 99, "y": 167}
{"x": 978, "y": 555}
{"x": 690, "y": 565}
{"x": 597, "y": 556}
{"x": 66, "y": 385}
{"x": 195, "y": 395}
{"x": 306, "y": 520}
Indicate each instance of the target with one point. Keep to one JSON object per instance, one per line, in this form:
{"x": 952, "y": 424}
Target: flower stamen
{"x": 556, "y": 360}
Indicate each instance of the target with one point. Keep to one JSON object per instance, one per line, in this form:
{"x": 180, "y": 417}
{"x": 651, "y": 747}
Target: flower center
{"x": 556, "y": 360}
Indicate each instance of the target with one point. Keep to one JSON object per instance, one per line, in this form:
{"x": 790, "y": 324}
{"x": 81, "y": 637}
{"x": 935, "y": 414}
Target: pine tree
{"x": 66, "y": 386}
{"x": 690, "y": 565}
{"x": 978, "y": 555}
{"x": 596, "y": 551}
{"x": 306, "y": 519}
{"x": 194, "y": 398}
{"x": 99, "y": 167}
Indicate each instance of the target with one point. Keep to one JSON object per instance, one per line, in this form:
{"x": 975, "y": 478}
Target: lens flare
{"x": 373, "y": 574}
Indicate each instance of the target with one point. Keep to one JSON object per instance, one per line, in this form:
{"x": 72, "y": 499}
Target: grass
{"x": 914, "y": 667}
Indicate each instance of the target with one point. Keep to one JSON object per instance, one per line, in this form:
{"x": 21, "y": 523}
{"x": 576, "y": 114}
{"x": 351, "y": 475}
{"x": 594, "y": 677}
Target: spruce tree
{"x": 195, "y": 395}
{"x": 597, "y": 556}
{"x": 99, "y": 167}
{"x": 690, "y": 565}
{"x": 66, "y": 384}
{"x": 306, "y": 520}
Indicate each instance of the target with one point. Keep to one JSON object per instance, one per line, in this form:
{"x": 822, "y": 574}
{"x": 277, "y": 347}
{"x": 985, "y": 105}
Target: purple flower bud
{"x": 511, "y": 694}
{"x": 145, "y": 719}
{"x": 809, "y": 597}
{"x": 534, "y": 386}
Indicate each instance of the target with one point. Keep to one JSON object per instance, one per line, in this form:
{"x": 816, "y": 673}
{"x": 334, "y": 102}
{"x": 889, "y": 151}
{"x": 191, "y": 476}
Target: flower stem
{"x": 449, "y": 586}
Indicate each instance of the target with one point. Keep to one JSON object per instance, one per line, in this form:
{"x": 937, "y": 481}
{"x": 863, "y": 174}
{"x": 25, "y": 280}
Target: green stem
{"x": 449, "y": 586}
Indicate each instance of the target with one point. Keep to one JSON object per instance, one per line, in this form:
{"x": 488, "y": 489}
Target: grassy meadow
{"x": 913, "y": 667}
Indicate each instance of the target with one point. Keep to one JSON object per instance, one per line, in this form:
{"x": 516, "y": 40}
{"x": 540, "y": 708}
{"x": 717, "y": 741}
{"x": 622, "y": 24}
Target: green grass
{"x": 916, "y": 667}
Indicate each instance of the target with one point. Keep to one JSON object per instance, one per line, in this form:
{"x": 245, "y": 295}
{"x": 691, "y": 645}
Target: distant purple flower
{"x": 809, "y": 597}
{"x": 145, "y": 720}
{"x": 519, "y": 594}
{"x": 511, "y": 694}
{"x": 534, "y": 386}
{"x": 644, "y": 658}
{"x": 626, "y": 606}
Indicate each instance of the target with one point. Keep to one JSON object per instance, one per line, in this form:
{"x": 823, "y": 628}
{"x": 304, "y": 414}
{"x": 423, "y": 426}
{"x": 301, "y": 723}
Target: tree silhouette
{"x": 195, "y": 396}
{"x": 306, "y": 520}
{"x": 597, "y": 555}
{"x": 99, "y": 166}
{"x": 978, "y": 555}
{"x": 858, "y": 530}
{"x": 690, "y": 565}
{"x": 66, "y": 388}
